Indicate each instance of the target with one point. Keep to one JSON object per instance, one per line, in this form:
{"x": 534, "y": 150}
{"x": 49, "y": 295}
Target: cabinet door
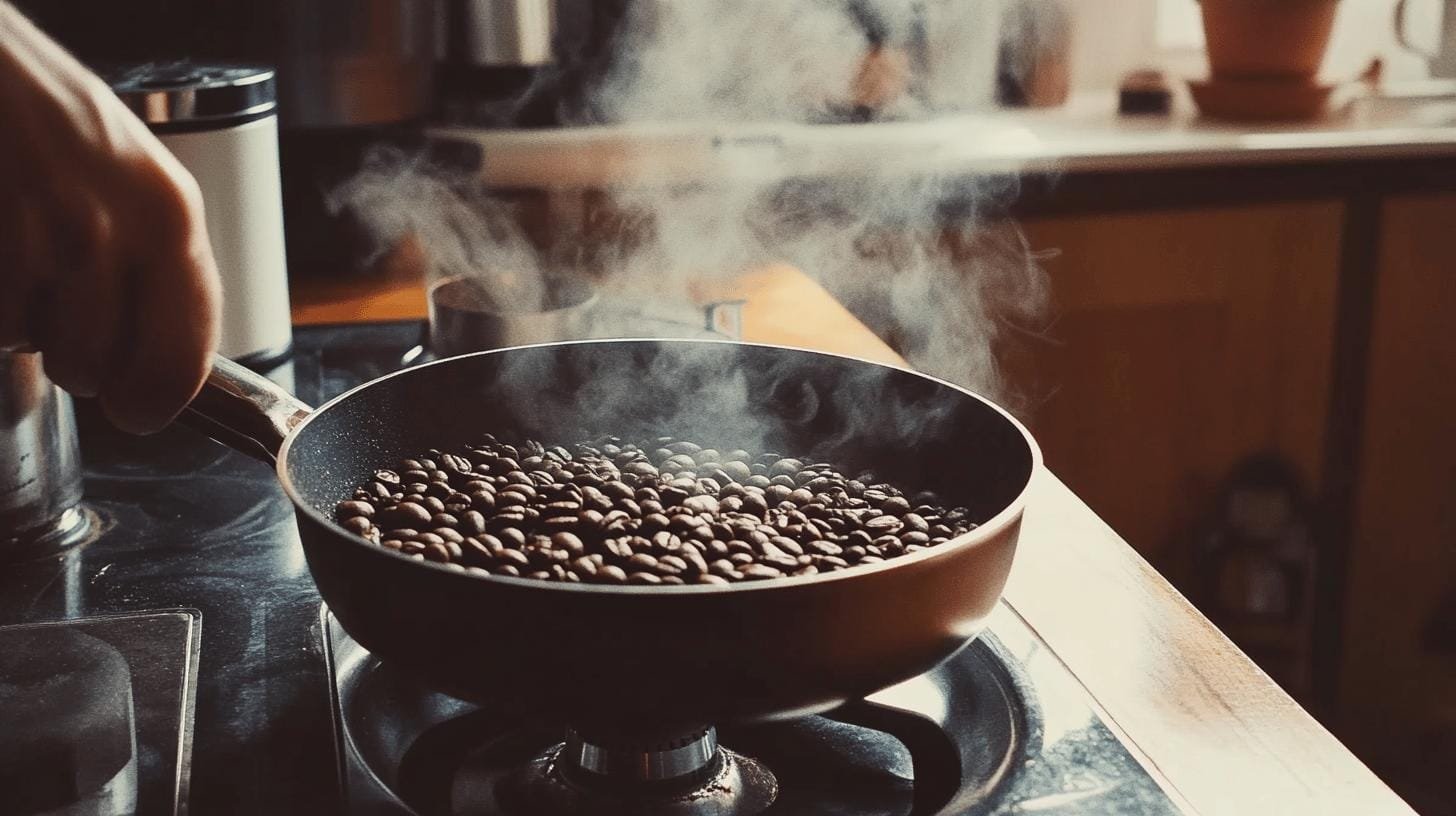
{"x": 1398, "y": 678}
{"x": 1180, "y": 342}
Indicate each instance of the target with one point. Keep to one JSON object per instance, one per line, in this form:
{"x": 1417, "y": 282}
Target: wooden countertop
{"x": 1221, "y": 733}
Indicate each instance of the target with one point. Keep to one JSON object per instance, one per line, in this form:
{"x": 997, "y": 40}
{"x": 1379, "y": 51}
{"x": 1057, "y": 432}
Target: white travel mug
{"x": 221, "y": 122}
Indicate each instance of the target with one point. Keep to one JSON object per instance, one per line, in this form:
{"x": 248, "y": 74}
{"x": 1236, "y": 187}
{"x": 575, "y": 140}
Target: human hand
{"x": 105, "y": 265}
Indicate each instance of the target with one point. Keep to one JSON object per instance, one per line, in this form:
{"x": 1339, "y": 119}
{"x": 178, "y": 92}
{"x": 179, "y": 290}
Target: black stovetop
{"x": 185, "y": 524}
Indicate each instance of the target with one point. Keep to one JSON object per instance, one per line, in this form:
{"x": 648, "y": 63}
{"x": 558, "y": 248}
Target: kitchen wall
{"x": 1113, "y": 37}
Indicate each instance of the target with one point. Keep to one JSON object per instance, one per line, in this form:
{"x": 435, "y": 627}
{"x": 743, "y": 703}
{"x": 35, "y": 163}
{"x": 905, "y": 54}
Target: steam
{"x": 917, "y": 256}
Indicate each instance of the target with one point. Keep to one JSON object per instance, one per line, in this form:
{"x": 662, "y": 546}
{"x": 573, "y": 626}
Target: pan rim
{"x": 990, "y": 529}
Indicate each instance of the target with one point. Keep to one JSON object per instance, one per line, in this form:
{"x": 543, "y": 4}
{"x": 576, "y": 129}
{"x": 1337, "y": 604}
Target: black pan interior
{"x": 909, "y": 429}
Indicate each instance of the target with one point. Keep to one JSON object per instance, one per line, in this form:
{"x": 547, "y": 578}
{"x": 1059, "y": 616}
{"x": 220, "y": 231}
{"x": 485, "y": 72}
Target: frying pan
{"x": 671, "y": 656}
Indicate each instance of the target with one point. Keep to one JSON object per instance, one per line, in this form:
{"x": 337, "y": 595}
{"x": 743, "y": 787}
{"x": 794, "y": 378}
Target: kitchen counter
{"x": 1223, "y": 735}
{"x": 1085, "y": 135}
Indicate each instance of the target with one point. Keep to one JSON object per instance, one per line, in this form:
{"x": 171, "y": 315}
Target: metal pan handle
{"x": 244, "y": 410}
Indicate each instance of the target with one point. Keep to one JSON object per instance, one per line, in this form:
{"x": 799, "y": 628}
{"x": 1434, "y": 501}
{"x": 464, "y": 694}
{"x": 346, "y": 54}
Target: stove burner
{"x": 638, "y": 759}
{"x": 722, "y": 783}
{"x": 949, "y": 741}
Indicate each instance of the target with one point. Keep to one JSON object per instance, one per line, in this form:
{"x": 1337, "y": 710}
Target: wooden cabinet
{"x": 1179, "y": 343}
{"x": 1398, "y": 673}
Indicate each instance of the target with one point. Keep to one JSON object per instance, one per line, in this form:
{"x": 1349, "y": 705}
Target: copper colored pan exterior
{"x": 619, "y": 657}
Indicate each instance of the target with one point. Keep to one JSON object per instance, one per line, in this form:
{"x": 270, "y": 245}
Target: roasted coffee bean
{"x": 882, "y": 524}
{"x": 642, "y": 561}
{"x": 755, "y": 504}
{"x": 643, "y": 578}
{"x": 914, "y": 539}
{"x": 787, "y": 545}
{"x": 760, "y": 572}
{"x": 351, "y": 509}
{"x": 407, "y": 514}
{"x": 707, "y": 578}
{"x": 785, "y": 467}
{"x": 568, "y": 543}
{"x": 895, "y": 506}
{"x": 704, "y": 512}
{"x": 358, "y": 525}
{"x": 449, "y": 534}
{"x": 821, "y": 547}
{"x": 736, "y": 470}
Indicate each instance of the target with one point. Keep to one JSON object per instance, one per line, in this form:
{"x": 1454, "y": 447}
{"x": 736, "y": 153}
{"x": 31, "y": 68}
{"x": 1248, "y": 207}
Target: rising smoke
{"x": 917, "y": 256}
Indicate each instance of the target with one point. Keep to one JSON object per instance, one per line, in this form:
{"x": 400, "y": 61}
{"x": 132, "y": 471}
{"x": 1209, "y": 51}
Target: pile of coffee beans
{"x": 666, "y": 512}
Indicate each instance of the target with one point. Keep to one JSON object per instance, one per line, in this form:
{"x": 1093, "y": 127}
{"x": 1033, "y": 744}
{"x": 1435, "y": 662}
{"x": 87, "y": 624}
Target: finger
{"x": 30, "y": 264}
{"x": 168, "y": 323}
{"x": 83, "y": 318}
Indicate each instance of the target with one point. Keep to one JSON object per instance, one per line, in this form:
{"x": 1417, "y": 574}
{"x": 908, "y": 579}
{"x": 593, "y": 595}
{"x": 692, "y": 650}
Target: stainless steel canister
{"x": 40, "y": 461}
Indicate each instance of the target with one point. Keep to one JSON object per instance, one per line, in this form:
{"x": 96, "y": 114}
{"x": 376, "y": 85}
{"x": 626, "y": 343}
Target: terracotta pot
{"x": 1267, "y": 38}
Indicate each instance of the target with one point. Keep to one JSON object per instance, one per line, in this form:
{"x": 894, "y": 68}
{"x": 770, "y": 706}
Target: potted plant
{"x": 1267, "y": 39}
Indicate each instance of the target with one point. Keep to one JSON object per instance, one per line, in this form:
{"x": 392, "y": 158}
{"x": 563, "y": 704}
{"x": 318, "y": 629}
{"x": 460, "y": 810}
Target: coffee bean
{"x": 755, "y": 504}
{"x": 699, "y": 512}
{"x": 352, "y": 509}
{"x": 895, "y": 506}
{"x": 643, "y": 578}
{"x": 449, "y": 534}
{"x": 821, "y": 547}
{"x": 785, "y": 467}
{"x": 408, "y": 514}
{"x": 760, "y": 572}
{"x": 569, "y": 543}
{"x": 914, "y": 539}
{"x": 708, "y": 578}
{"x": 882, "y": 524}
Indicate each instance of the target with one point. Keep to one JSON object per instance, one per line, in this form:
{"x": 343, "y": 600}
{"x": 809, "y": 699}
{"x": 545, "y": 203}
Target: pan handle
{"x": 244, "y": 410}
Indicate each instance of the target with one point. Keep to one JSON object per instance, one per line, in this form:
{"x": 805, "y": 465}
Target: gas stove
{"x": 999, "y": 728}
{"x": 274, "y": 709}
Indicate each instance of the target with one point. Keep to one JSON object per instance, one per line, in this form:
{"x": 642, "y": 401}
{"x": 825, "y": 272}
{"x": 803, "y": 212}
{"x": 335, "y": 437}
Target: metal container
{"x": 221, "y": 122}
{"x": 40, "y": 462}
{"x": 501, "y": 32}
{"x": 464, "y": 317}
